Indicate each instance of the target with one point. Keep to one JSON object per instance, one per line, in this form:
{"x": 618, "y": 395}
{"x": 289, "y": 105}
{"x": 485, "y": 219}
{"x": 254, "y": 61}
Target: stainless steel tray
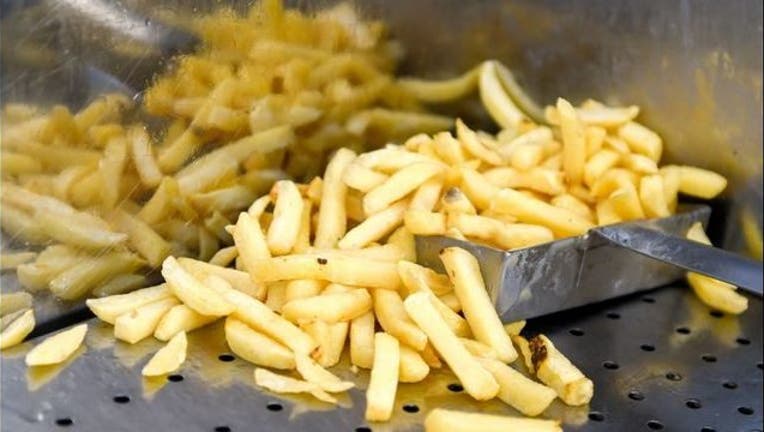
{"x": 660, "y": 361}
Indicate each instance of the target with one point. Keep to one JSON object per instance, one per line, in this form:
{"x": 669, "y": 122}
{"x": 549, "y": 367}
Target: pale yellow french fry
{"x": 639, "y": 164}
{"x": 392, "y": 317}
{"x": 305, "y": 288}
{"x": 383, "y": 382}
{"x": 700, "y": 183}
{"x": 374, "y": 228}
{"x": 524, "y": 348}
{"x": 514, "y": 328}
{"x": 287, "y": 215}
{"x": 454, "y": 201}
{"x": 403, "y": 240}
{"x": 562, "y": 222}
{"x": 330, "y": 339}
{"x": 472, "y": 144}
{"x": 418, "y": 278}
{"x": 431, "y": 357}
{"x": 477, "y": 381}
{"x": 479, "y": 190}
{"x": 595, "y": 139}
{"x": 391, "y": 159}
{"x": 396, "y": 123}
{"x": 330, "y": 308}
{"x": 526, "y": 156}
{"x": 518, "y": 391}
{"x": 671, "y": 179}
{"x": 81, "y": 278}
{"x": 388, "y": 252}
{"x": 169, "y": 358}
{"x": 337, "y": 269}
{"x": 362, "y": 340}
{"x": 332, "y": 222}
{"x": 57, "y": 348}
{"x": 442, "y": 420}
{"x": 574, "y": 142}
{"x": 180, "y": 319}
{"x": 160, "y": 206}
{"x": 258, "y": 316}
{"x": 314, "y": 373}
{"x": 20, "y": 225}
{"x": 143, "y": 157}
{"x": 12, "y": 302}
{"x": 448, "y": 149}
{"x": 192, "y": 292}
{"x": 570, "y": 202}
{"x": 606, "y": 117}
{"x": 15, "y": 332}
{"x": 108, "y": 309}
{"x": 225, "y": 199}
{"x": 464, "y": 271}
{"x": 73, "y": 230}
{"x": 239, "y": 280}
{"x": 613, "y": 179}
{"x": 642, "y": 140}
{"x": 556, "y": 371}
{"x": 653, "y": 197}
{"x": 361, "y": 178}
{"x": 625, "y": 201}
{"x": 140, "y": 323}
{"x": 303, "y": 236}
{"x": 283, "y": 384}
{"x": 495, "y": 99}
{"x": 479, "y": 349}
{"x": 111, "y": 168}
{"x": 598, "y": 163}
{"x": 451, "y": 301}
{"x": 225, "y": 256}
{"x": 14, "y": 164}
{"x": 412, "y": 367}
{"x": 523, "y": 101}
{"x": 276, "y": 296}
{"x": 141, "y": 237}
{"x": 422, "y": 222}
{"x": 444, "y": 90}
{"x": 172, "y": 157}
{"x": 256, "y": 347}
{"x": 120, "y": 284}
{"x": 398, "y": 186}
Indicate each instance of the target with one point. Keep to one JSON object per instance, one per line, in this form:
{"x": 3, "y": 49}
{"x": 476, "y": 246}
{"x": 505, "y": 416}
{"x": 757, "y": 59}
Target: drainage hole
{"x": 363, "y": 429}
{"x": 175, "y": 378}
{"x": 683, "y": 330}
{"x": 708, "y": 358}
{"x": 647, "y": 347}
{"x": 707, "y": 429}
{"x": 655, "y": 425}
{"x": 693, "y": 404}
{"x": 759, "y": 365}
{"x": 274, "y": 406}
{"x": 716, "y": 314}
{"x": 610, "y": 365}
{"x": 648, "y": 299}
{"x": 226, "y": 358}
{"x": 411, "y": 408}
{"x": 613, "y": 315}
{"x": 636, "y": 395}
{"x": 454, "y": 387}
{"x": 730, "y": 385}
{"x": 596, "y": 416}
{"x": 64, "y": 422}
{"x": 673, "y": 376}
{"x": 742, "y": 341}
{"x": 576, "y": 332}
{"x": 745, "y": 410}
{"x": 121, "y": 399}
{"x": 222, "y": 429}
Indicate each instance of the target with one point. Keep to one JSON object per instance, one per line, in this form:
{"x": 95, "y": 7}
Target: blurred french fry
{"x": 14, "y": 332}
{"x": 192, "y": 292}
{"x": 598, "y": 163}
{"x": 362, "y": 340}
{"x": 671, "y": 180}
{"x": 383, "y": 383}
{"x": 111, "y": 168}
{"x": 74, "y": 230}
{"x": 14, "y": 164}
{"x": 159, "y": 206}
{"x": 302, "y": 243}
{"x": 256, "y": 347}
{"x": 13, "y": 302}
{"x": 442, "y": 91}
{"x": 143, "y": 157}
{"x": 120, "y": 284}
{"x": 275, "y": 296}
{"x": 57, "y": 348}
{"x": 20, "y": 225}
{"x": 442, "y": 420}
{"x": 10, "y": 261}
{"x": 81, "y": 278}
{"x": 169, "y": 358}
{"x": 139, "y": 323}
{"x": 287, "y": 215}
{"x": 142, "y": 237}
{"x": 180, "y": 319}
{"x": 556, "y": 371}
{"x": 495, "y": 99}
{"x": 374, "y": 228}
{"x": 331, "y": 214}
{"x": 392, "y": 317}
{"x": 653, "y": 197}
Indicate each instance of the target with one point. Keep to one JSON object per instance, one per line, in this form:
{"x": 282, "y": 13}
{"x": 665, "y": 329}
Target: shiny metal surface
{"x": 689, "y": 255}
{"x": 628, "y": 347}
{"x": 567, "y": 273}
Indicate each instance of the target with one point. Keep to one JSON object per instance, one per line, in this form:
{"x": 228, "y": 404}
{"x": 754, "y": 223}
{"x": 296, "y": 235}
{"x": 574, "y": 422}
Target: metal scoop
{"x": 606, "y": 262}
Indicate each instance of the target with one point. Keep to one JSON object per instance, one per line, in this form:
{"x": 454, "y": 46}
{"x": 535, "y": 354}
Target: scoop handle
{"x": 689, "y": 255}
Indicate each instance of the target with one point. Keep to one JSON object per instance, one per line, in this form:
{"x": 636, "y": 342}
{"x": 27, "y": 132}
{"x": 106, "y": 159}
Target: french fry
{"x": 454, "y": 201}
{"x": 111, "y": 168}
{"x": 625, "y": 202}
{"x": 448, "y": 149}
{"x": 479, "y": 190}
{"x": 562, "y": 222}
{"x": 442, "y": 420}
{"x": 362, "y": 340}
{"x": 120, "y": 284}
{"x": 653, "y": 197}
{"x": 73, "y": 230}
{"x": 283, "y": 384}
{"x": 142, "y": 238}
{"x": 472, "y": 144}
{"x": 383, "y": 383}
{"x": 298, "y": 289}
{"x": 570, "y": 202}
{"x": 108, "y": 309}
{"x": 304, "y": 234}
{"x": 700, "y": 183}
{"x": 464, "y": 271}
{"x": 239, "y": 280}
{"x": 557, "y": 372}
{"x": 412, "y": 367}
{"x": 314, "y": 373}
{"x": 479, "y": 349}
{"x": 403, "y": 241}
{"x": 14, "y": 333}
{"x": 392, "y": 317}
{"x": 639, "y": 164}
{"x": 398, "y": 186}
{"x": 478, "y": 382}
{"x": 524, "y": 347}
{"x": 331, "y": 214}
{"x": 57, "y": 348}
{"x": 225, "y": 256}
{"x": 180, "y": 319}
{"x": 374, "y": 228}
{"x": 14, "y": 164}
{"x": 574, "y": 142}
{"x": 418, "y": 278}
{"x": 256, "y": 347}
{"x": 194, "y": 293}
{"x": 143, "y": 157}
{"x": 169, "y": 358}
{"x": 140, "y": 323}
{"x": 287, "y": 215}
{"x": 595, "y": 139}
{"x": 671, "y": 179}
{"x": 514, "y": 328}
{"x": 421, "y": 222}
{"x": 517, "y": 391}
{"x": 19, "y": 224}
{"x": 361, "y": 178}
{"x": 81, "y": 278}
{"x": 606, "y": 117}
{"x": 160, "y": 206}
{"x": 339, "y": 269}
{"x": 330, "y": 308}
{"x": 451, "y": 301}
{"x": 330, "y": 339}
{"x": 225, "y": 199}
{"x": 495, "y": 99}
{"x": 276, "y": 296}
{"x": 641, "y": 140}
{"x": 442, "y": 91}
{"x": 598, "y": 163}
{"x": 12, "y": 302}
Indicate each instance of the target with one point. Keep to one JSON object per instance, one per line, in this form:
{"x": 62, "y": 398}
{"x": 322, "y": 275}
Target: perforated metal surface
{"x": 659, "y": 361}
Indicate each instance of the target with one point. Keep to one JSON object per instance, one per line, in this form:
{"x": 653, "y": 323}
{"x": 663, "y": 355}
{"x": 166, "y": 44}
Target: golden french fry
{"x": 374, "y": 228}
{"x": 556, "y": 371}
{"x": 442, "y": 420}
{"x": 412, "y": 367}
{"x": 361, "y": 178}
{"x": 625, "y": 202}
{"x": 194, "y": 293}
{"x": 477, "y": 381}
{"x": 700, "y": 183}
{"x": 641, "y": 140}
{"x": 330, "y": 308}
{"x": 464, "y": 272}
{"x": 653, "y": 197}
{"x": 671, "y": 179}
{"x": 383, "y": 383}
{"x": 108, "y": 309}
{"x": 330, "y": 339}
{"x": 140, "y": 323}
{"x": 12, "y": 302}
{"x": 518, "y": 391}
{"x": 598, "y": 163}
{"x": 398, "y": 186}
{"x": 392, "y": 317}
{"x": 168, "y": 358}
{"x": 574, "y": 142}
{"x": 314, "y": 373}
{"x": 283, "y": 384}
{"x": 422, "y": 222}
{"x": 332, "y": 222}
{"x": 57, "y": 348}
{"x": 14, "y": 333}
{"x": 120, "y": 284}
{"x": 256, "y": 347}
{"x": 639, "y": 164}
{"x": 472, "y": 144}
{"x": 287, "y": 215}
{"x": 180, "y": 319}
{"x": 562, "y": 222}
{"x": 362, "y": 340}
